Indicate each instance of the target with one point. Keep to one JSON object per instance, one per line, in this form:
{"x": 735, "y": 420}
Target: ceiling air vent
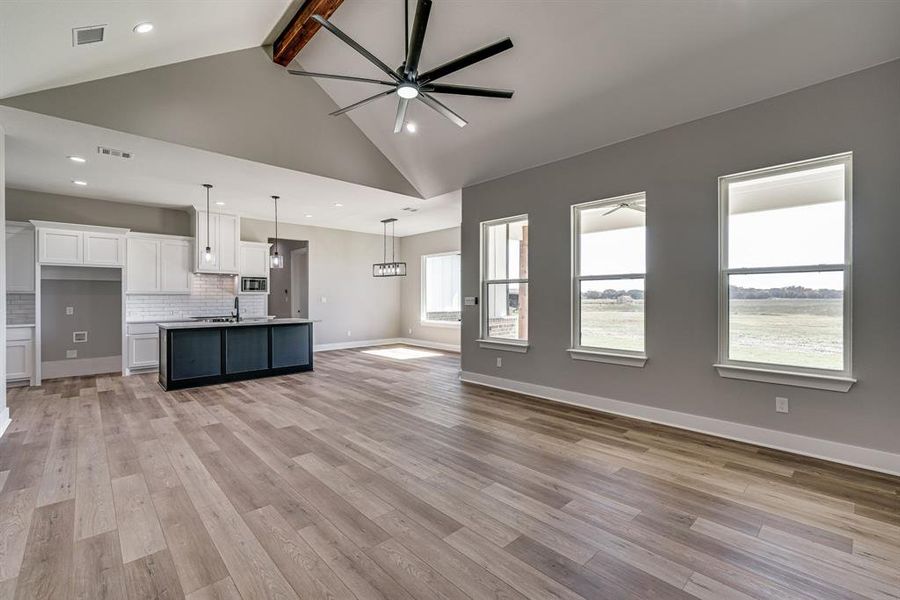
{"x": 88, "y": 35}
{"x": 410, "y": 209}
{"x": 113, "y": 152}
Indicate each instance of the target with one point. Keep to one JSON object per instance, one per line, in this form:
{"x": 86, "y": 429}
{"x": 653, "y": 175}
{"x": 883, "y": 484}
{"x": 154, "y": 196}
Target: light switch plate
{"x": 781, "y": 405}
{"x": 79, "y": 337}
{"x": 470, "y": 301}
{"x": 71, "y": 353}
{"x": 70, "y": 310}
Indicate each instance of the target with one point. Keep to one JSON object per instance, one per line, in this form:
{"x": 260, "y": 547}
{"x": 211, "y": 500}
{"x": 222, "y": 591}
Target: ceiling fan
{"x": 406, "y": 81}
{"x": 632, "y": 206}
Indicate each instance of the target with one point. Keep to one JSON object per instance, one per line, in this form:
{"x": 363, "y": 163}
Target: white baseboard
{"x": 429, "y": 344}
{"x": 856, "y": 456}
{"x": 4, "y": 420}
{"x": 75, "y": 367}
{"x": 355, "y": 344}
{"x": 385, "y": 342}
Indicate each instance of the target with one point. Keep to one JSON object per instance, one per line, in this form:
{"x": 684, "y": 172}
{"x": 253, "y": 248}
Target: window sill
{"x": 612, "y": 358}
{"x": 506, "y": 345}
{"x": 830, "y": 383}
{"x": 445, "y": 324}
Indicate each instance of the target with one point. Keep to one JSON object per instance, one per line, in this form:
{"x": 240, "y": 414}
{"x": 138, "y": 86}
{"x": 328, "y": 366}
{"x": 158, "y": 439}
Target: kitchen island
{"x": 199, "y": 353}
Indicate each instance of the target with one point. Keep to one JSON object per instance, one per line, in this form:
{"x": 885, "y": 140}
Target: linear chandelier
{"x": 392, "y": 268}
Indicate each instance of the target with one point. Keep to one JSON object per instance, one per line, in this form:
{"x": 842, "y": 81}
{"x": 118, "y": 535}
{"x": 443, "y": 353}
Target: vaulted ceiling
{"x": 586, "y": 74}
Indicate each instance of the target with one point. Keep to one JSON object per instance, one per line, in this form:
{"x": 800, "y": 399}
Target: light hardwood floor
{"x": 381, "y": 478}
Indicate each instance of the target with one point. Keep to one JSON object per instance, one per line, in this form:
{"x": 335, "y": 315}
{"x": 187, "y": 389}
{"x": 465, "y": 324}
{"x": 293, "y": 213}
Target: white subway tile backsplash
{"x": 19, "y": 309}
{"x": 210, "y": 295}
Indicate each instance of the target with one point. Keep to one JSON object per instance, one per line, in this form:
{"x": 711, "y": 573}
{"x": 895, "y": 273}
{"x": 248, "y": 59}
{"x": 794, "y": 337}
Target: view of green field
{"x": 612, "y": 324}
{"x": 802, "y": 332}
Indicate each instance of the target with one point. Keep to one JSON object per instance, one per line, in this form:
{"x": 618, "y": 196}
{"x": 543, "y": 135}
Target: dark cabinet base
{"x": 192, "y": 357}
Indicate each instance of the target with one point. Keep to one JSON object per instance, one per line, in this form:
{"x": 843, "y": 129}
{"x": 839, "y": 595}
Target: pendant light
{"x": 276, "y": 261}
{"x": 393, "y": 268}
{"x": 208, "y": 256}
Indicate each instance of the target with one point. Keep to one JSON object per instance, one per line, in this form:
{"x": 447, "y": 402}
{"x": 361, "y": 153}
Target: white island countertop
{"x": 248, "y": 322}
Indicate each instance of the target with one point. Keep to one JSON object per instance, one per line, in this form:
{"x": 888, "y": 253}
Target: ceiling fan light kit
{"x": 406, "y": 81}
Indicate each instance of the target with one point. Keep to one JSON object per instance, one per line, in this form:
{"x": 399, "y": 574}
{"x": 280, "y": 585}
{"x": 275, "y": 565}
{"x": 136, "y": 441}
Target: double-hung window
{"x": 785, "y": 274}
{"x": 608, "y": 275}
{"x": 441, "y": 289}
{"x": 504, "y": 282}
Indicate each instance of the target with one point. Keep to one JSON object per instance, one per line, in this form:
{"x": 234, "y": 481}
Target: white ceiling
{"x": 36, "y": 49}
{"x": 590, "y": 73}
{"x": 165, "y": 174}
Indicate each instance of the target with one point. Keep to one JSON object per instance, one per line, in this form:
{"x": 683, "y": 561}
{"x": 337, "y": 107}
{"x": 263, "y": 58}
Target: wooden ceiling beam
{"x": 301, "y": 29}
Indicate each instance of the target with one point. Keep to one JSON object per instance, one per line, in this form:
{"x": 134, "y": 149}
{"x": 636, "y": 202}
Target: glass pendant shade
{"x": 276, "y": 261}
{"x": 208, "y": 257}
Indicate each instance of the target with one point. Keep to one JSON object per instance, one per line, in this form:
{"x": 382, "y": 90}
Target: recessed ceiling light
{"x": 79, "y": 182}
{"x": 309, "y": 216}
{"x": 411, "y": 127}
{"x": 143, "y": 28}
{"x": 338, "y": 205}
{"x": 77, "y": 159}
{"x": 220, "y": 203}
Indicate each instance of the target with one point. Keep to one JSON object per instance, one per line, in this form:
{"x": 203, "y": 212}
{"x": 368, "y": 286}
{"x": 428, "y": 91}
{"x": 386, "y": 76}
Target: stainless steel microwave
{"x": 254, "y": 284}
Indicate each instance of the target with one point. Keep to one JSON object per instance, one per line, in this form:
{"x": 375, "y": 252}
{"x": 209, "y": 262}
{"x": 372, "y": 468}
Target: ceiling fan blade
{"x": 609, "y": 212}
{"x": 441, "y": 108}
{"x": 464, "y": 61}
{"x": 636, "y": 207}
{"x": 401, "y": 114}
{"x": 417, "y": 37}
{"x": 342, "y": 77}
{"x": 350, "y": 42}
{"x": 466, "y": 90}
{"x": 362, "y": 102}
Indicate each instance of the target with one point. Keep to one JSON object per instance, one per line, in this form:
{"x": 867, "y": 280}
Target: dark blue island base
{"x": 196, "y": 354}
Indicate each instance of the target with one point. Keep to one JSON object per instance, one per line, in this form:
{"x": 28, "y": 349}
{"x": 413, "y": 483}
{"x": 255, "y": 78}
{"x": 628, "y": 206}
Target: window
{"x": 609, "y": 269}
{"x": 504, "y": 276}
{"x": 441, "y": 289}
{"x": 785, "y": 274}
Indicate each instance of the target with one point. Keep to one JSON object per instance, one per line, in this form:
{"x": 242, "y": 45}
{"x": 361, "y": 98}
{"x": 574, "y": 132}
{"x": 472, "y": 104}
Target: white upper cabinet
{"x": 158, "y": 264}
{"x": 254, "y": 259}
{"x": 61, "y": 246}
{"x": 104, "y": 249}
{"x": 70, "y": 244}
{"x": 175, "y": 266}
{"x": 224, "y": 236}
{"x": 19, "y": 257}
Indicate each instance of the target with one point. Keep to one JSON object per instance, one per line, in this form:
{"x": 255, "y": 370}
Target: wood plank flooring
{"x": 380, "y": 478}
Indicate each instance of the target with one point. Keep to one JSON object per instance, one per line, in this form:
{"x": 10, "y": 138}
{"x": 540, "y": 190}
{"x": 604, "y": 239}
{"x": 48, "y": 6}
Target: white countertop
{"x": 248, "y": 322}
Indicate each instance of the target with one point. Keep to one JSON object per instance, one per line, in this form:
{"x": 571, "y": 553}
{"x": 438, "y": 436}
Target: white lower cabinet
{"x": 19, "y": 353}
{"x": 143, "y": 345}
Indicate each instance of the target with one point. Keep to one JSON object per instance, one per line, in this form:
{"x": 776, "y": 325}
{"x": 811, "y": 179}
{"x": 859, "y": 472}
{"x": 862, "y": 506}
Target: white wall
{"x": 412, "y": 249}
{"x": 4, "y": 410}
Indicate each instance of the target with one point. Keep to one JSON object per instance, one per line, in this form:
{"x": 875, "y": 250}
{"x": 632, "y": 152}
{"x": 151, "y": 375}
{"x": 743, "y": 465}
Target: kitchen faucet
{"x": 237, "y": 308}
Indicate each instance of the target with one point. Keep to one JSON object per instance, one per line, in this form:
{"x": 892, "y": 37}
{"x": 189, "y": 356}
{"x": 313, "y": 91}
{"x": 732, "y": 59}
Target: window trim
{"x": 422, "y": 292}
{"x": 577, "y": 351}
{"x": 826, "y": 379}
{"x": 484, "y": 340}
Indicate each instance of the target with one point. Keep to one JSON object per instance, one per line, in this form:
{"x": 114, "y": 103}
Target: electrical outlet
{"x": 781, "y": 405}
{"x": 348, "y": 333}
{"x": 410, "y": 331}
{"x": 70, "y": 310}
{"x": 71, "y": 353}
{"x": 324, "y": 300}
{"x": 499, "y": 362}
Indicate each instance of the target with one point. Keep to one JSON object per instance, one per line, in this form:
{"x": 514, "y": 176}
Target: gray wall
{"x": 238, "y": 103}
{"x": 97, "y": 308}
{"x": 280, "y": 288}
{"x": 412, "y": 249}
{"x": 340, "y": 270}
{"x": 23, "y": 205}
{"x": 678, "y": 168}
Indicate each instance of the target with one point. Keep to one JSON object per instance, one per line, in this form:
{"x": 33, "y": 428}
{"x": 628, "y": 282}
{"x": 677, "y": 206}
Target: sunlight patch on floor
{"x": 402, "y": 353}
